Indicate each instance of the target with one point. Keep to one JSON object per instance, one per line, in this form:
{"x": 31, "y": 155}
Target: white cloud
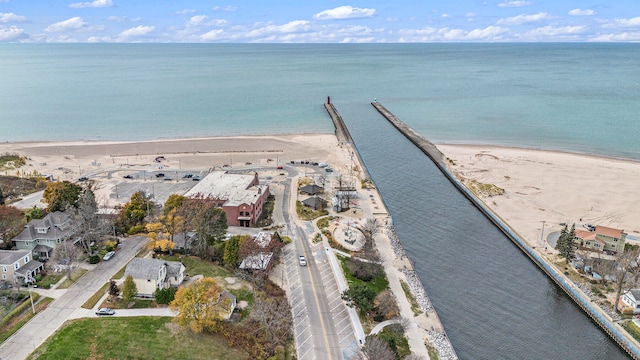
{"x": 139, "y": 30}
{"x": 625, "y": 36}
{"x": 557, "y": 32}
{"x": 185, "y": 11}
{"x": 469, "y": 14}
{"x": 227, "y": 8}
{"x": 290, "y": 27}
{"x": 11, "y": 34}
{"x": 430, "y": 34}
{"x": 623, "y": 23}
{"x": 203, "y": 20}
{"x": 11, "y": 17}
{"x": 92, "y": 4}
{"x": 580, "y": 12}
{"x": 445, "y": 15}
{"x": 344, "y": 12}
{"x": 73, "y": 24}
{"x": 121, "y": 19}
{"x": 212, "y": 35}
{"x": 516, "y": 3}
{"x": 523, "y": 19}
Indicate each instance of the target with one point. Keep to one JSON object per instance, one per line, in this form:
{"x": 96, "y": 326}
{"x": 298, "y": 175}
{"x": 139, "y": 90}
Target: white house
{"x": 152, "y": 274}
{"x": 630, "y": 302}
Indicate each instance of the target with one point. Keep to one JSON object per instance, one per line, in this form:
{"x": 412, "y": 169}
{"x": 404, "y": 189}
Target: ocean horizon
{"x": 575, "y": 97}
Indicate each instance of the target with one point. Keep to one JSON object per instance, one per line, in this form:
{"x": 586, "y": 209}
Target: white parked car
{"x": 108, "y": 255}
{"x": 302, "y": 261}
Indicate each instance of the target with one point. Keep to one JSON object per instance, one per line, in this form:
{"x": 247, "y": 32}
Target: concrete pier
{"x": 615, "y": 331}
{"x": 343, "y": 135}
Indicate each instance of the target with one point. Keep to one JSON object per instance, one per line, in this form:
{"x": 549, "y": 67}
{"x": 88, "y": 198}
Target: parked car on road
{"x": 128, "y": 176}
{"x": 105, "y": 311}
{"x": 159, "y": 175}
{"x": 302, "y": 260}
{"x": 108, "y": 255}
{"x": 84, "y": 178}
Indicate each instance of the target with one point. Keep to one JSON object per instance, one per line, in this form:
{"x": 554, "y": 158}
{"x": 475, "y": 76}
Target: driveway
{"x": 44, "y": 324}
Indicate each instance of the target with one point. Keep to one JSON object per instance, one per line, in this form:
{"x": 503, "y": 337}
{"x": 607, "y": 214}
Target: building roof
{"x": 263, "y": 239}
{"x": 235, "y": 189}
{"x": 174, "y": 268}
{"x": 585, "y": 235}
{"x": 636, "y": 294}
{"x": 312, "y": 189}
{"x": 145, "y": 268}
{"x": 8, "y": 257}
{"x": 58, "y": 225}
{"x": 314, "y": 202}
{"x": 607, "y": 231}
{"x": 258, "y": 261}
{"x": 30, "y": 266}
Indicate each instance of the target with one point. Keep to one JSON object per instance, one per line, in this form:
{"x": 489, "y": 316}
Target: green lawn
{"x": 93, "y": 300}
{"x": 132, "y": 338}
{"x": 75, "y": 275}
{"x": 197, "y": 266}
{"x": 49, "y": 280}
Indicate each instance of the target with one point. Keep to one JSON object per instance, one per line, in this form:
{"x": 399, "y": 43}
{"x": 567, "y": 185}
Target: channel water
{"x": 493, "y": 301}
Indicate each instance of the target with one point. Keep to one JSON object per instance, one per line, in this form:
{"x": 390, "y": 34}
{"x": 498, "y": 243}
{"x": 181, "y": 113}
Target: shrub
{"x": 136, "y": 229}
{"x": 94, "y": 259}
{"x": 165, "y": 296}
{"x": 111, "y": 245}
{"x": 363, "y": 270}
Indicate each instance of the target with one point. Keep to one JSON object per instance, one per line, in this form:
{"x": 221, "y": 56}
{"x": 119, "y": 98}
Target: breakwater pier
{"x": 615, "y": 332}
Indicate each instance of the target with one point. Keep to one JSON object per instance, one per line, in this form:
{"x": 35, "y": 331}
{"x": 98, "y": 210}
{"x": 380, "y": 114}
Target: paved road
{"x": 44, "y": 324}
{"x": 322, "y": 326}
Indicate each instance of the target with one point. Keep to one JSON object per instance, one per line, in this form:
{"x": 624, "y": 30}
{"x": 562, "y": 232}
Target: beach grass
{"x": 132, "y": 337}
{"x": 415, "y": 307}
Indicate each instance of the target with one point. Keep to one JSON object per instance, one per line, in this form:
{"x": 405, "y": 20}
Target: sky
{"x": 307, "y": 21}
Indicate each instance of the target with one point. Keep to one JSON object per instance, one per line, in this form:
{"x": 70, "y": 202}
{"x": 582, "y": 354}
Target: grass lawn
{"x": 197, "y": 266}
{"x": 120, "y": 273}
{"x": 93, "y": 300}
{"x": 49, "y": 280}
{"x": 137, "y": 304}
{"x": 134, "y": 337}
{"x": 75, "y": 275}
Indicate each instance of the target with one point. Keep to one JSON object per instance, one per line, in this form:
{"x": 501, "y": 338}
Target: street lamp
{"x": 542, "y": 235}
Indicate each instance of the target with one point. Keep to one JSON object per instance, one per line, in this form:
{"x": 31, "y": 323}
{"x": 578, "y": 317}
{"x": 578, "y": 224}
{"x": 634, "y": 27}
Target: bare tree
{"x": 91, "y": 229}
{"x": 369, "y": 229}
{"x": 274, "y": 317}
{"x": 626, "y": 269}
{"x": 375, "y": 349}
{"x": 65, "y": 256}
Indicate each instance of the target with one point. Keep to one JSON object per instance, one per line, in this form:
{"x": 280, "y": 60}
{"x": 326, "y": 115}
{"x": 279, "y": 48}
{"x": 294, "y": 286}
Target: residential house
{"x": 240, "y": 196}
{"x": 311, "y": 189}
{"x": 315, "y": 203}
{"x": 153, "y": 274}
{"x": 259, "y": 259}
{"x": 40, "y": 236}
{"x": 18, "y": 266}
{"x": 629, "y": 302}
{"x": 602, "y": 239}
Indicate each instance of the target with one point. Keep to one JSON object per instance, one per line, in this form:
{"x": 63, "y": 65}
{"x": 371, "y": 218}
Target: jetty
{"x": 432, "y": 332}
{"x": 602, "y": 319}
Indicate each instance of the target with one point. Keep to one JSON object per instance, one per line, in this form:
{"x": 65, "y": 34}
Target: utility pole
{"x": 542, "y": 235}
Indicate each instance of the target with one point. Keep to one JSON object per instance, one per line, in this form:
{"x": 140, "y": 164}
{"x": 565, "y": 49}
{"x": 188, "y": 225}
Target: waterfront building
{"x": 602, "y": 239}
{"x": 40, "y": 236}
{"x": 240, "y": 196}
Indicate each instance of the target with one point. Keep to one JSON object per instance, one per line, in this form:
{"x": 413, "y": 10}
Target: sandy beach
{"x": 551, "y": 186}
{"x": 105, "y": 162}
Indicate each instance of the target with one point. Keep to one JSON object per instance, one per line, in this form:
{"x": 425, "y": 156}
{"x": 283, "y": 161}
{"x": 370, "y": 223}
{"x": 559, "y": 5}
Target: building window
{"x": 15, "y": 266}
{"x": 4, "y": 268}
{"x": 4, "y": 277}
{"x": 26, "y": 259}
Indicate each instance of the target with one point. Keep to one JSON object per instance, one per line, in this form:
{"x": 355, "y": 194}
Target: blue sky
{"x": 303, "y": 21}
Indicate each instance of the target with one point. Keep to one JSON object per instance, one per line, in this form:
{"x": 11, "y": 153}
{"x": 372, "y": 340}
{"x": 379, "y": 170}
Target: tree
{"x": 231, "y": 249}
{"x": 369, "y": 229}
{"x": 129, "y": 289}
{"x": 208, "y": 221}
{"x": 361, "y": 295}
{"x": 626, "y": 268}
{"x": 66, "y": 255}
{"x": 133, "y": 213}
{"x": 273, "y": 316}
{"x": 1, "y": 197}
{"x": 34, "y": 213}
{"x": 11, "y": 222}
{"x": 60, "y": 195}
{"x": 174, "y": 202}
{"x": 114, "y": 290}
{"x": 91, "y": 229}
{"x": 199, "y": 305}
{"x": 566, "y": 243}
{"x": 375, "y": 348}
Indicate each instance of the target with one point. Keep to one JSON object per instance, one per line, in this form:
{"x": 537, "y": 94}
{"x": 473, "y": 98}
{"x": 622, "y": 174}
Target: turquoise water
{"x": 576, "y": 97}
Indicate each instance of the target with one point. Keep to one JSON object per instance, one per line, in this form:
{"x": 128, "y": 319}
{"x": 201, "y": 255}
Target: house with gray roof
{"x": 18, "y": 266}
{"x": 153, "y": 274}
{"x": 629, "y": 302}
{"x": 40, "y": 236}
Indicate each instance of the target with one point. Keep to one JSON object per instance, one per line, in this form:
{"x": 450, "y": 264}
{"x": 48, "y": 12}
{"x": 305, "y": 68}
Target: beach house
{"x": 602, "y": 239}
{"x": 629, "y": 302}
{"x": 240, "y": 196}
{"x": 40, "y": 236}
